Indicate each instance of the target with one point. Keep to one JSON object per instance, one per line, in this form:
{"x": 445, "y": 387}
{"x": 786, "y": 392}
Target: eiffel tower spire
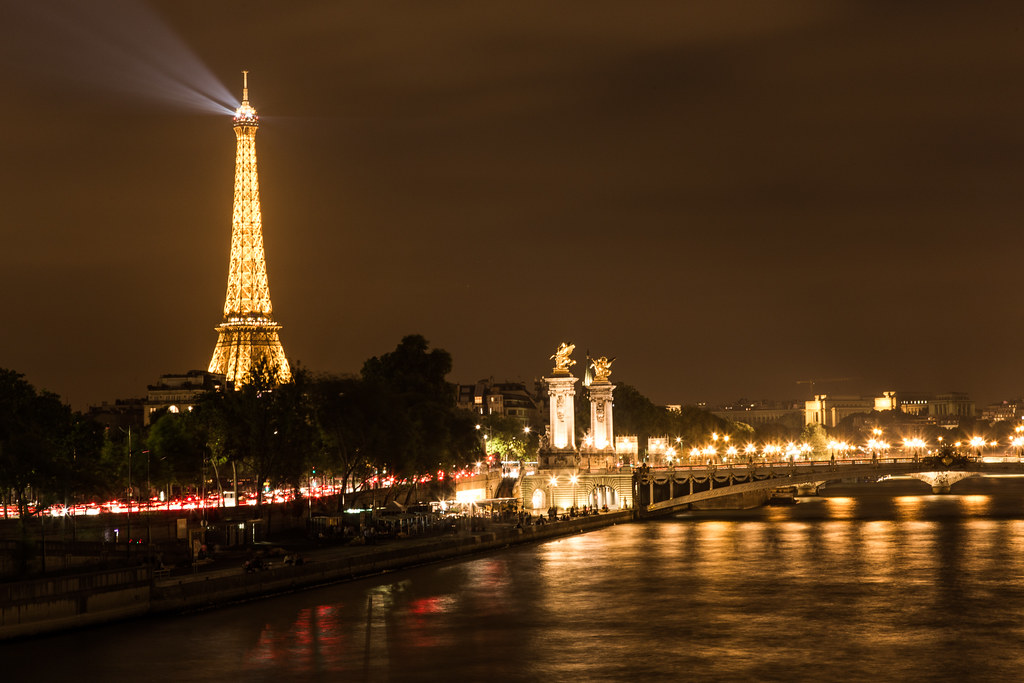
{"x": 248, "y": 332}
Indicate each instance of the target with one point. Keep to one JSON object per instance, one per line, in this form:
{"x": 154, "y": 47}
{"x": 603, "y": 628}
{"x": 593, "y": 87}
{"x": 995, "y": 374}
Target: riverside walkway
{"x": 225, "y": 584}
{"x": 48, "y": 604}
{"x": 221, "y": 585}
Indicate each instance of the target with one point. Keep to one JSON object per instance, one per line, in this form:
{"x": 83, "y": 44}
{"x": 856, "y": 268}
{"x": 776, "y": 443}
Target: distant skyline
{"x": 728, "y": 199}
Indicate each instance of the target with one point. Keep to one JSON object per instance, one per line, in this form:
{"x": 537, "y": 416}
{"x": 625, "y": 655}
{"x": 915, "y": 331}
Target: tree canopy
{"x": 48, "y": 454}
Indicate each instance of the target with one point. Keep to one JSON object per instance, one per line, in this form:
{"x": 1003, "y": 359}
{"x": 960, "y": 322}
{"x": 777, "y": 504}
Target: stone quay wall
{"x": 45, "y": 605}
{"x": 52, "y": 604}
{"x": 174, "y": 595}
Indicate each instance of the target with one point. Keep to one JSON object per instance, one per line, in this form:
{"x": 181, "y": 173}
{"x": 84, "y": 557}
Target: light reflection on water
{"x": 871, "y": 588}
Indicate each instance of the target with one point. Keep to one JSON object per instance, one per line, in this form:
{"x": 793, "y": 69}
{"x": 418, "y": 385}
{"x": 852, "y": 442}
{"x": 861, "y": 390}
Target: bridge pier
{"x": 942, "y": 482}
{"x": 809, "y": 489}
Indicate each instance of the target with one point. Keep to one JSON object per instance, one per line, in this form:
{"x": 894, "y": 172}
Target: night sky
{"x": 728, "y": 197}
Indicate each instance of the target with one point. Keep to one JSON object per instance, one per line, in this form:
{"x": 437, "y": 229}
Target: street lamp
{"x": 915, "y": 445}
{"x": 552, "y": 485}
{"x": 486, "y": 438}
{"x": 128, "y": 521}
{"x": 1018, "y": 443}
{"x": 573, "y": 479}
{"x": 875, "y": 443}
{"x": 833, "y": 446}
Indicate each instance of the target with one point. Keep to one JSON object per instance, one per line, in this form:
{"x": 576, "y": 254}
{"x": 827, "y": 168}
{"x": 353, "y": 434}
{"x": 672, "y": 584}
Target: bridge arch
{"x": 601, "y": 496}
{"x": 614, "y": 491}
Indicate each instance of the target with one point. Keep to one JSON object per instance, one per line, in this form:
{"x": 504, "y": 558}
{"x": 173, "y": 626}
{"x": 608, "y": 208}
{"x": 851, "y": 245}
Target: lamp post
{"x": 525, "y": 449}
{"x": 875, "y": 442}
{"x": 552, "y": 484}
{"x": 149, "y": 521}
{"x": 573, "y": 479}
{"x": 1018, "y": 443}
{"x": 915, "y": 445}
{"x": 128, "y": 521}
{"x": 486, "y": 439}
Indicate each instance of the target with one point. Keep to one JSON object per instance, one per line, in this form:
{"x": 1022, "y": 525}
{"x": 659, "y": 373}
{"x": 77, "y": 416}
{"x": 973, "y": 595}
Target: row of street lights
{"x": 720, "y": 446}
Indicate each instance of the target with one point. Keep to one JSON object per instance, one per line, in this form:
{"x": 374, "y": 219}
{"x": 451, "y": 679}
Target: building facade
{"x": 179, "y": 393}
{"x": 945, "y": 409}
{"x": 505, "y": 399}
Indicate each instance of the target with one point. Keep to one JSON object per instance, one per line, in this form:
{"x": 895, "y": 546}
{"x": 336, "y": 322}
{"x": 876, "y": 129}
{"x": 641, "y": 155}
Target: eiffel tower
{"x": 248, "y": 333}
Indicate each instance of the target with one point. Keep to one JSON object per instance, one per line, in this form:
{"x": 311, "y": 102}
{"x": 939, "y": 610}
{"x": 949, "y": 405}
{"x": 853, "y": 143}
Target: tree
{"x": 636, "y": 414}
{"x": 177, "y": 448}
{"x": 694, "y": 425}
{"x": 741, "y": 432}
{"x": 34, "y": 431}
{"x": 421, "y": 409}
{"x": 47, "y": 452}
{"x": 356, "y": 427}
{"x": 507, "y": 437}
{"x": 412, "y": 370}
{"x": 264, "y": 426}
{"x": 814, "y": 436}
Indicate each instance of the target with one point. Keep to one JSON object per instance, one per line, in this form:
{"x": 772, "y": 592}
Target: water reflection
{"x": 881, "y": 588}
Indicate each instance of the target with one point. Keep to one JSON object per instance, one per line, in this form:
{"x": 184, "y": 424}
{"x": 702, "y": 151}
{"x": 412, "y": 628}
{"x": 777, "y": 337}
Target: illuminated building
{"x": 828, "y": 411}
{"x": 946, "y": 408}
{"x": 507, "y": 399}
{"x": 248, "y": 333}
{"x": 179, "y": 393}
{"x": 788, "y": 413}
{"x": 943, "y": 409}
{"x": 1003, "y": 411}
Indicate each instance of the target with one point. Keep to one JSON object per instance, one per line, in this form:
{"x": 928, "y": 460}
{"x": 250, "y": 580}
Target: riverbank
{"x": 42, "y": 606}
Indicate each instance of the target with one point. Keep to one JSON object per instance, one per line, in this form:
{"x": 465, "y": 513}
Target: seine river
{"x": 876, "y": 587}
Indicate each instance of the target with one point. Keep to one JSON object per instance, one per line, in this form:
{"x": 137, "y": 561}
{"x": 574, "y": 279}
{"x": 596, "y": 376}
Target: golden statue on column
{"x": 602, "y": 368}
{"x": 562, "y": 360}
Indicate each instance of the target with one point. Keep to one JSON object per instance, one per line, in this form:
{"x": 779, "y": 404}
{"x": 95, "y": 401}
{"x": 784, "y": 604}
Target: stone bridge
{"x": 659, "y": 491}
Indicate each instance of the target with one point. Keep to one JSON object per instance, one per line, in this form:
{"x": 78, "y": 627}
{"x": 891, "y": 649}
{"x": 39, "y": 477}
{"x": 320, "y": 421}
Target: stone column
{"x": 562, "y": 412}
{"x": 601, "y": 416}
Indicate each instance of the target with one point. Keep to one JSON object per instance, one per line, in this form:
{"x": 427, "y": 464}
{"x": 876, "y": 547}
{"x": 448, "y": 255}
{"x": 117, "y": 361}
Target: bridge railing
{"x": 779, "y": 464}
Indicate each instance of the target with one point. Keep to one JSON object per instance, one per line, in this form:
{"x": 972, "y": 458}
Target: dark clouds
{"x": 727, "y": 199}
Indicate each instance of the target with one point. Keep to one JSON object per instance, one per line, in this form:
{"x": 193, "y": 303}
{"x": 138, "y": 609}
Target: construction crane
{"x": 812, "y": 382}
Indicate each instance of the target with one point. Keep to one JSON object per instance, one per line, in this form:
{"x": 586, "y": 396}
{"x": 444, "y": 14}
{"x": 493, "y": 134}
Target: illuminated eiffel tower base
{"x": 248, "y": 336}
